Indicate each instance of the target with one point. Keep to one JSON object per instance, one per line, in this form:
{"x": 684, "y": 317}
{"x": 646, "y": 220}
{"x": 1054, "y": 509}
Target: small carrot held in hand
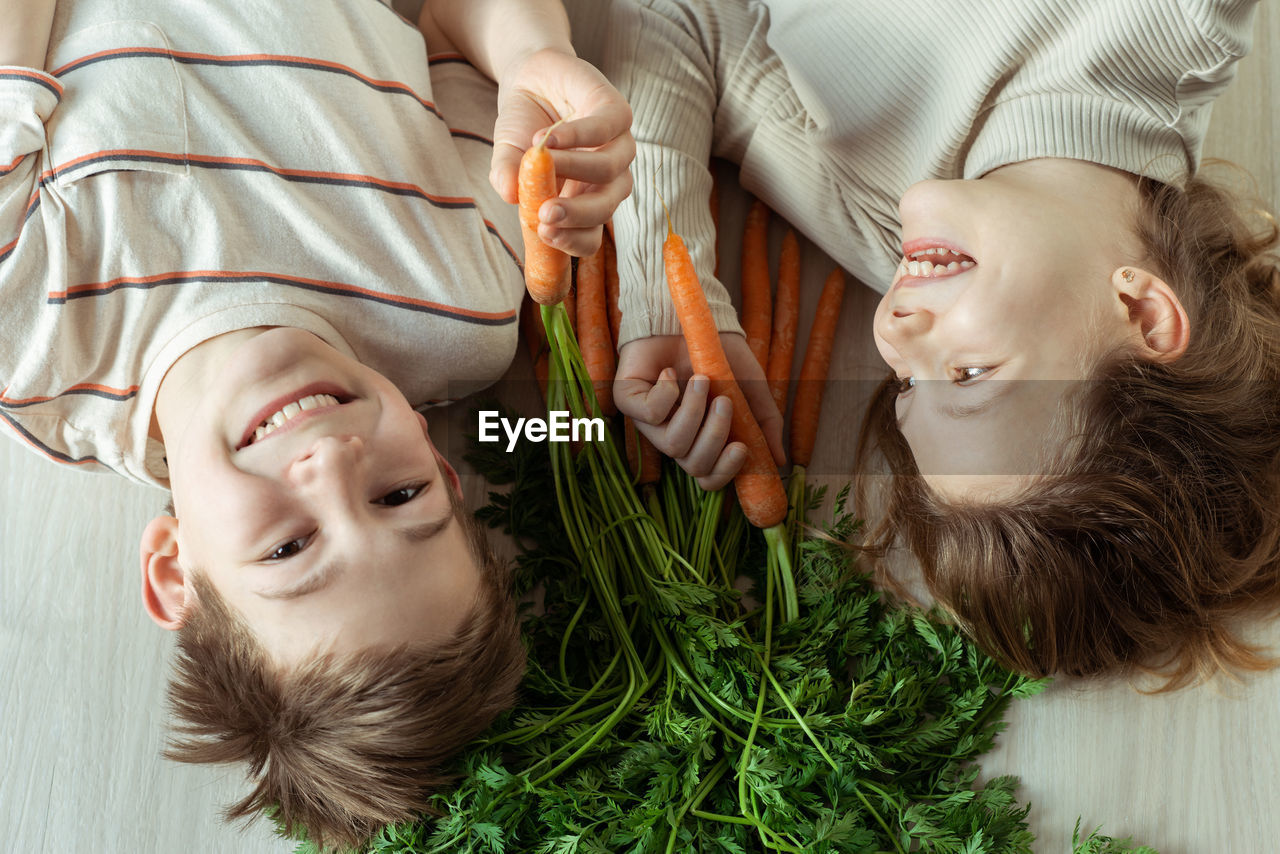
{"x": 813, "y": 371}
{"x": 612, "y": 286}
{"x": 757, "y": 306}
{"x": 593, "y": 330}
{"x": 546, "y": 269}
{"x": 760, "y": 491}
{"x": 786, "y": 314}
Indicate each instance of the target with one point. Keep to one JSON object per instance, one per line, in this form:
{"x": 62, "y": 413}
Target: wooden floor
{"x": 82, "y": 723}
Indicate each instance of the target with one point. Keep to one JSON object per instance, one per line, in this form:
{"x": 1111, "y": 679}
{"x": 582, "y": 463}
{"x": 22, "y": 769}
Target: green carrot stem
{"x": 704, "y": 788}
{"x": 779, "y": 557}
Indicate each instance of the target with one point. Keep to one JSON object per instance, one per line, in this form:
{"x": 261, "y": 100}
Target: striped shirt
{"x": 833, "y": 108}
{"x": 176, "y": 175}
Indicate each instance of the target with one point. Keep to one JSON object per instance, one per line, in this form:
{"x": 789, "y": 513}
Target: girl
{"x": 1083, "y": 336}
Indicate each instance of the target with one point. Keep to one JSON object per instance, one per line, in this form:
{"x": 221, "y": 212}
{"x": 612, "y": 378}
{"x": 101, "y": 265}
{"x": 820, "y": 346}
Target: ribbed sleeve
{"x": 662, "y": 62}
{"x": 833, "y": 108}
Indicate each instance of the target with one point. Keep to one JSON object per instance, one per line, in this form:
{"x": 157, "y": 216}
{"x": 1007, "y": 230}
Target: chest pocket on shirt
{"x": 122, "y": 104}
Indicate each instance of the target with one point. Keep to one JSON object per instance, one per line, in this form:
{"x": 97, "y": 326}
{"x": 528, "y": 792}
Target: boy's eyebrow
{"x": 426, "y": 530}
{"x": 309, "y": 583}
{"x": 321, "y": 577}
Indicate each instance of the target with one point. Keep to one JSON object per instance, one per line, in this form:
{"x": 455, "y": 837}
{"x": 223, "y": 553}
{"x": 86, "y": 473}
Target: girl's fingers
{"x": 704, "y": 454}
{"x": 647, "y": 403}
{"x": 682, "y": 430}
{"x": 727, "y": 465}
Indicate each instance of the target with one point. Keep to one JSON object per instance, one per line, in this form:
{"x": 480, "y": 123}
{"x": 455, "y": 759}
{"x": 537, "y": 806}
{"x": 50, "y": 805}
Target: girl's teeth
{"x": 915, "y": 265}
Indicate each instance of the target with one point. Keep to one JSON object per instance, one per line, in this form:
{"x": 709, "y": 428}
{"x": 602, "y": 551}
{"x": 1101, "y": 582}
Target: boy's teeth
{"x": 291, "y": 409}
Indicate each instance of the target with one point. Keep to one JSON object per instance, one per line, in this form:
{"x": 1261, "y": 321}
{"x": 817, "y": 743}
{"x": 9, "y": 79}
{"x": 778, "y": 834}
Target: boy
{"x": 233, "y": 251}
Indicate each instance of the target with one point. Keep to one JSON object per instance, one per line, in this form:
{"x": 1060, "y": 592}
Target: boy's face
{"x": 335, "y": 530}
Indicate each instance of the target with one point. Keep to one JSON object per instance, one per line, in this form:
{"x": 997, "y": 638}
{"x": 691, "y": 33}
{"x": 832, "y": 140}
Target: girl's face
{"x": 1004, "y": 299}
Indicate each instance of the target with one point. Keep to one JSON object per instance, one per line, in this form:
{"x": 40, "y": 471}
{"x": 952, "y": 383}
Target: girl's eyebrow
{"x": 1003, "y": 389}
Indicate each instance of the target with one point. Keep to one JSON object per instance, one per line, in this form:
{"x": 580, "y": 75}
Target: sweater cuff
{"x": 640, "y": 229}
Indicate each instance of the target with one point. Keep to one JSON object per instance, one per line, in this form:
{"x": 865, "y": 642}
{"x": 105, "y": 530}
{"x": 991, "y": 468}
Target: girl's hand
{"x": 592, "y": 148}
{"x": 691, "y": 428}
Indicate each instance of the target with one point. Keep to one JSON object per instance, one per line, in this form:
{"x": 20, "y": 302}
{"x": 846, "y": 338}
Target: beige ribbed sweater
{"x": 833, "y": 108}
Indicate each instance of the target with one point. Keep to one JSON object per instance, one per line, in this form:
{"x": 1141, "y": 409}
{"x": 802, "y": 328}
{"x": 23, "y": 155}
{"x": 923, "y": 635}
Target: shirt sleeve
{"x": 27, "y": 98}
{"x": 674, "y": 104}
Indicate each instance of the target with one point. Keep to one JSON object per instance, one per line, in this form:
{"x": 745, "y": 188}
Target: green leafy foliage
{"x": 667, "y": 710}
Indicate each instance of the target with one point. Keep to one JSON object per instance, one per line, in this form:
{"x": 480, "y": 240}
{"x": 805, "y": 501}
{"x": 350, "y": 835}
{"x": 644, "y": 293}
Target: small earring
{"x": 1126, "y": 274}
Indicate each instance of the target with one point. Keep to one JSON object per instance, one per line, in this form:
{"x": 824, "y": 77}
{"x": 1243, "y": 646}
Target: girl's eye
{"x": 284, "y": 551}
{"x": 403, "y": 495}
{"x": 904, "y": 384}
{"x": 964, "y": 375}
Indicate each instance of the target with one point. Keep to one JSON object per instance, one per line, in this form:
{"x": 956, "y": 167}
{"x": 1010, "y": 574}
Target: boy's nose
{"x": 327, "y": 458}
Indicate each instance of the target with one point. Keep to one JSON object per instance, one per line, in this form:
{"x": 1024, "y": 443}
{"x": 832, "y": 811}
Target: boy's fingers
{"x": 606, "y": 122}
{"x": 585, "y": 206}
{"x": 728, "y": 465}
{"x": 596, "y": 166}
{"x": 504, "y": 170}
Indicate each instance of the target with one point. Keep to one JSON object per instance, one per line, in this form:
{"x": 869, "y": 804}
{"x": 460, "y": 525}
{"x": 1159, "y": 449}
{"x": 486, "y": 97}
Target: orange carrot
{"x": 715, "y": 219}
{"x": 546, "y": 269}
{"x": 593, "y": 329}
{"x": 786, "y": 314}
{"x": 611, "y": 286}
{"x": 760, "y": 492}
{"x": 813, "y": 371}
{"x": 757, "y": 307}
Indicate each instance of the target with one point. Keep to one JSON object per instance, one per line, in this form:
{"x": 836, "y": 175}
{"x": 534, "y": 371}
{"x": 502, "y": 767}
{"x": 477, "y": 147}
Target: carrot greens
{"x": 684, "y": 696}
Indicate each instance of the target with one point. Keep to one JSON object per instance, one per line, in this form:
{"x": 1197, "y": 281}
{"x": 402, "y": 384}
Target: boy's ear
{"x": 445, "y": 469}
{"x": 164, "y": 581}
{"x": 1156, "y": 316}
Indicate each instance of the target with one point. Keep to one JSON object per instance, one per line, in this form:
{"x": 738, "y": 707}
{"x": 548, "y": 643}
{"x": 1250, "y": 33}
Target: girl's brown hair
{"x": 342, "y": 745}
{"x": 1159, "y": 523}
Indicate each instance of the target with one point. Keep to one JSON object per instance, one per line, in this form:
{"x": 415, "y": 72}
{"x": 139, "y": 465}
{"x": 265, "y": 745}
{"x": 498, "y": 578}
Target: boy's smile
{"x": 334, "y": 528}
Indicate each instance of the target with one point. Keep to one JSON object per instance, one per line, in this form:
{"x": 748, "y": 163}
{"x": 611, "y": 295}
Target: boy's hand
{"x": 691, "y": 429}
{"x": 593, "y": 148}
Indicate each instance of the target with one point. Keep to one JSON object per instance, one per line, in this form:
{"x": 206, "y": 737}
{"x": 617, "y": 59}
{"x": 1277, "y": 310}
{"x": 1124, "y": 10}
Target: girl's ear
{"x": 1156, "y": 317}
{"x": 164, "y": 581}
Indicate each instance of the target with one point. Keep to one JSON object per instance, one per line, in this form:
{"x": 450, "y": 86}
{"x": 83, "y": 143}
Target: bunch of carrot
{"x": 635, "y": 553}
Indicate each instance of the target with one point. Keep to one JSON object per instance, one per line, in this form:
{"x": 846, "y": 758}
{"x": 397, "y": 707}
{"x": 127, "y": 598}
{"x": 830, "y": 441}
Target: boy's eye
{"x": 403, "y": 495}
{"x": 964, "y": 375}
{"x": 287, "y": 550}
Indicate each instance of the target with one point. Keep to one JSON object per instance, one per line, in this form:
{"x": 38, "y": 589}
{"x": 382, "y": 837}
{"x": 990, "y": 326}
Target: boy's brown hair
{"x": 1158, "y": 523}
{"x": 343, "y": 744}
